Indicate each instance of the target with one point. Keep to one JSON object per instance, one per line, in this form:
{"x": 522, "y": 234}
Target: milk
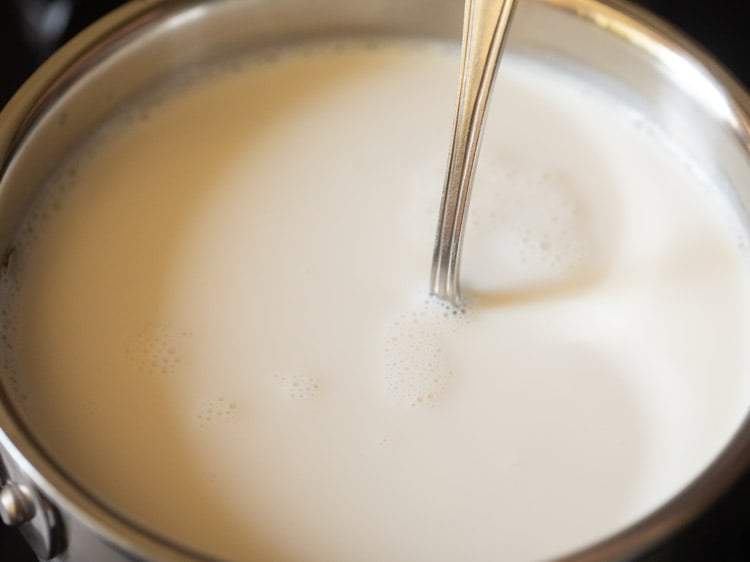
{"x": 216, "y": 318}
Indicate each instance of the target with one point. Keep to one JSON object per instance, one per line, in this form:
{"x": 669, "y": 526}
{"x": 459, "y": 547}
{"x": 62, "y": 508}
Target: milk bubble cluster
{"x": 215, "y": 410}
{"x": 418, "y": 368}
{"x": 529, "y": 225}
{"x": 158, "y": 350}
{"x": 298, "y": 387}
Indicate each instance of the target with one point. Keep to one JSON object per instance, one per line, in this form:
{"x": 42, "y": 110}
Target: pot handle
{"x": 23, "y": 506}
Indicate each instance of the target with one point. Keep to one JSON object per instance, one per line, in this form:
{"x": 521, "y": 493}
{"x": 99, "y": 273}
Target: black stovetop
{"x": 31, "y": 29}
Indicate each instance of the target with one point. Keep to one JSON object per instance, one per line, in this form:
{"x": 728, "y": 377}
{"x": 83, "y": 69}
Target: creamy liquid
{"x": 219, "y": 322}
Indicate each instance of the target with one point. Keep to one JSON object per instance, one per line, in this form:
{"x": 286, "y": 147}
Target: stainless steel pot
{"x": 612, "y": 43}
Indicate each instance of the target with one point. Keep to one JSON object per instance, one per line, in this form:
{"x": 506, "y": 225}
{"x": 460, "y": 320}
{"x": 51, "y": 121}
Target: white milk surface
{"x": 219, "y": 321}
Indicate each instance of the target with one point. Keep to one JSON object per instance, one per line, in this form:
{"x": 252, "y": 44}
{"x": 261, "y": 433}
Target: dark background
{"x": 31, "y": 29}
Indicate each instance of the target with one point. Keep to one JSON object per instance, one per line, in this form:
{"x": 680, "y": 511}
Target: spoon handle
{"x": 484, "y": 33}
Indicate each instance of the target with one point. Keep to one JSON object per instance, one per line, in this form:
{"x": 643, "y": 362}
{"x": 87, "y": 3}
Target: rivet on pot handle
{"x": 23, "y": 506}
{"x": 16, "y": 505}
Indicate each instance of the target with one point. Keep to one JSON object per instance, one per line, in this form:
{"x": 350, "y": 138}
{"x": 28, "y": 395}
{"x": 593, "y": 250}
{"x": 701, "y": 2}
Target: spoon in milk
{"x": 485, "y": 26}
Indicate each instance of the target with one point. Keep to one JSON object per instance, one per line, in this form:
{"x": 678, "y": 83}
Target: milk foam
{"x": 216, "y": 316}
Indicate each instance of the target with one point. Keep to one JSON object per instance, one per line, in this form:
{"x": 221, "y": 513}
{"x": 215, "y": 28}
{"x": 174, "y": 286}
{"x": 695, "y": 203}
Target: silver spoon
{"x": 484, "y": 33}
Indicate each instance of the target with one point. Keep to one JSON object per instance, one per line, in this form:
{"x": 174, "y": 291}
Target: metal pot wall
{"x": 702, "y": 108}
